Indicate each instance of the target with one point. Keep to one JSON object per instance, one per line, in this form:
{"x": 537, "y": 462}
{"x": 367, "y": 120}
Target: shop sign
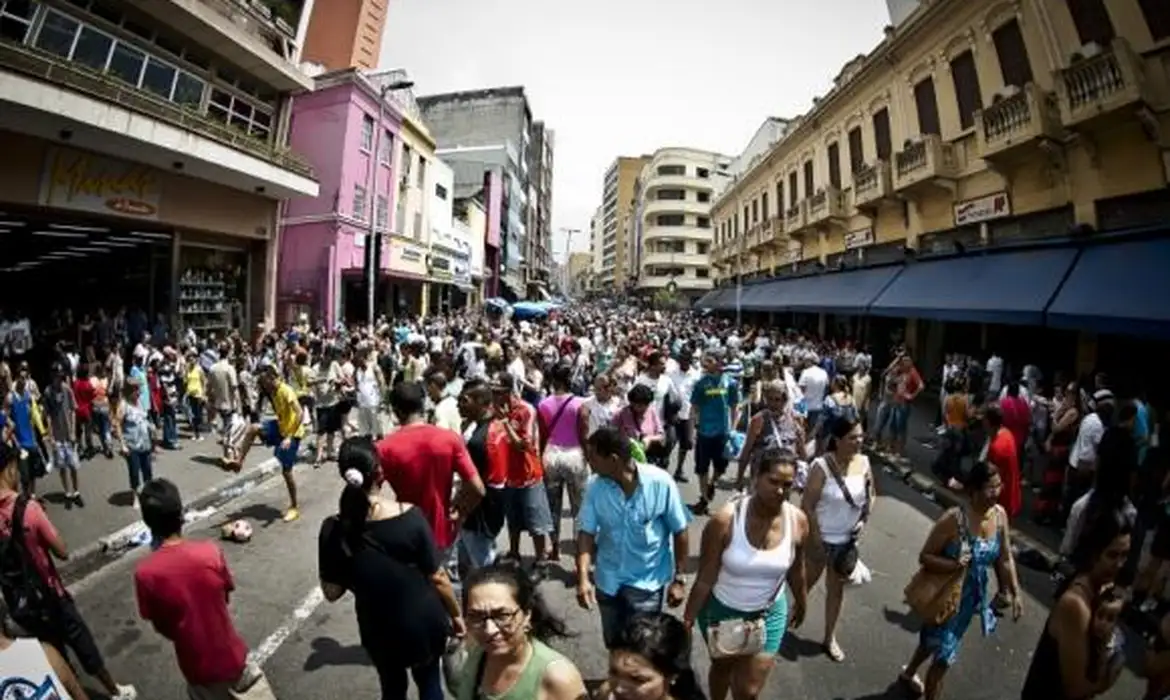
{"x": 440, "y": 267}
{"x": 407, "y": 258}
{"x": 87, "y": 182}
{"x": 973, "y": 211}
{"x": 858, "y": 239}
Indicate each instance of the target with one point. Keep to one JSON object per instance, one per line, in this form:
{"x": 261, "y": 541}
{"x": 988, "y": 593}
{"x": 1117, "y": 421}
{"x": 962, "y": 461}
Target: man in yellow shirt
{"x": 283, "y": 433}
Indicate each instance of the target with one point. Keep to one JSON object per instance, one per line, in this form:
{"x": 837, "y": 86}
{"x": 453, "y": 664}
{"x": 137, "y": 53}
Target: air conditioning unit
{"x": 1087, "y": 51}
{"x": 1008, "y": 91}
{"x": 912, "y": 141}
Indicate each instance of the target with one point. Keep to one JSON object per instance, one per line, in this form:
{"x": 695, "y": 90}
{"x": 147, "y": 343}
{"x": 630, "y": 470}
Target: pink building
{"x": 351, "y": 142}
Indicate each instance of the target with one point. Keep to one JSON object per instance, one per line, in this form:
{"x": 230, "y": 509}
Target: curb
{"x": 96, "y": 555}
{"x": 1038, "y": 555}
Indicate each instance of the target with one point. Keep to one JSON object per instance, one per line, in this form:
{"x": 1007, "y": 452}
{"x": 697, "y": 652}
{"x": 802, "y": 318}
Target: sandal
{"x": 834, "y": 652}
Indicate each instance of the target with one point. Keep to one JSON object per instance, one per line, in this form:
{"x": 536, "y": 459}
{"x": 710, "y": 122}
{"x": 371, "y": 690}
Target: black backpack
{"x": 32, "y": 604}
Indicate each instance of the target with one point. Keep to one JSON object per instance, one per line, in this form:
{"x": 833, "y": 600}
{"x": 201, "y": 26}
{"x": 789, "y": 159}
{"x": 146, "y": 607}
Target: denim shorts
{"x": 65, "y": 455}
{"x": 899, "y": 420}
{"x": 616, "y": 610}
{"x": 526, "y": 509}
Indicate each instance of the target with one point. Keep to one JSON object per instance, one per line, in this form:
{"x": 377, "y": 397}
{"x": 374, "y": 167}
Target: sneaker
{"x": 77, "y": 500}
{"x": 125, "y": 692}
{"x": 291, "y": 514}
{"x": 680, "y": 477}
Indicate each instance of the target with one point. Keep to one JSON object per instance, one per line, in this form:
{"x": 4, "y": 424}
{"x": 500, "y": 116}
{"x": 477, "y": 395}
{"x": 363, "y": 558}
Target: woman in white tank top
{"x": 838, "y": 499}
{"x": 751, "y": 557}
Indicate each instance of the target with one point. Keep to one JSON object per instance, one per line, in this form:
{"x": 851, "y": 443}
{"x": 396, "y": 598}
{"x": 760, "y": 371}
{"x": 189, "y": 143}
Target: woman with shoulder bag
{"x": 751, "y": 552}
{"x": 962, "y": 547}
{"x": 838, "y": 500}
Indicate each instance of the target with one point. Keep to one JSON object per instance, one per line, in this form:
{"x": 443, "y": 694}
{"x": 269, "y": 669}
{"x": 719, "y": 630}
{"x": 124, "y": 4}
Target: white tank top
{"x": 835, "y": 517}
{"x": 25, "y": 672}
{"x": 749, "y": 578}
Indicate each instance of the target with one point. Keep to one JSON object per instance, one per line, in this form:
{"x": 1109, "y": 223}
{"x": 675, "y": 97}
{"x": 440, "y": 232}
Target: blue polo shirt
{"x": 634, "y": 535}
{"x": 711, "y": 402}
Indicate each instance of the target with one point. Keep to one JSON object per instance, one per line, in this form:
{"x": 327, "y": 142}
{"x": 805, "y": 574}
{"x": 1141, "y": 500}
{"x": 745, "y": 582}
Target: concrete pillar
{"x": 424, "y": 299}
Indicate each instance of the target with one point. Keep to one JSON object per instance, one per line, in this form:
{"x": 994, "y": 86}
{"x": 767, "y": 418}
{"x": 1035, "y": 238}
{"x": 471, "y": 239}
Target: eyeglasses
{"x": 503, "y": 619}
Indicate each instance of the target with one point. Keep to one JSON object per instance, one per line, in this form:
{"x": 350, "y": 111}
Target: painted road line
{"x": 264, "y": 651}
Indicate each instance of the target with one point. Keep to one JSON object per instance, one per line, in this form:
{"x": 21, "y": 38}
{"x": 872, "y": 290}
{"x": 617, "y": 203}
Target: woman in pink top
{"x": 563, "y": 427}
{"x": 638, "y": 421}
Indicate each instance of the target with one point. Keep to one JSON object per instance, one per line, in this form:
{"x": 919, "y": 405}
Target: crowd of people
{"x": 491, "y": 422}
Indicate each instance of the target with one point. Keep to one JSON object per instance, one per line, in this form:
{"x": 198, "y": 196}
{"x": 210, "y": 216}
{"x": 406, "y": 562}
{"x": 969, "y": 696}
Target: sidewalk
{"x": 1037, "y": 545}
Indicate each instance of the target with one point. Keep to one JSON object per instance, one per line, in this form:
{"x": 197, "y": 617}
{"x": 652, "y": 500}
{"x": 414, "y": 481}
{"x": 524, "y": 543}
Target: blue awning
{"x": 847, "y": 292}
{"x": 1011, "y": 287}
{"x": 705, "y": 301}
{"x": 1121, "y": 288}
{"x": 762, "y": 297}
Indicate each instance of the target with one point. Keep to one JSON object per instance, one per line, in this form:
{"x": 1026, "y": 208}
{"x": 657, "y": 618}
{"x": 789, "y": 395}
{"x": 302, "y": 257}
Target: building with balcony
{"x": 469, "y": 221}
{"x": 978, "y": 145}
{"x": 344, "y": 34}
{"x": 148, "y": 134}
{"x": 496, "y": 126}
{"x": 540, "y": 241}
{"x": 613, "y": 248}
{"x": 672, "y": 236}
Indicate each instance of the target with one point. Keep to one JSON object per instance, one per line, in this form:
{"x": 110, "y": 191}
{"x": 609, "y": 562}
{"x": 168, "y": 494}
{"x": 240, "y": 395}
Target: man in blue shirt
{"x": 632, "y": 530}
{"x": 713, "y": 403}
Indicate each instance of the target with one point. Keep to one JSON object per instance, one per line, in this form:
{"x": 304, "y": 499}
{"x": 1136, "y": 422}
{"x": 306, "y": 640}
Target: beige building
{"x": 972, "y": 124}
{"x": 672, "y": 236}
{"x": 578, "y": 270}
{"x": 614, "y": 246}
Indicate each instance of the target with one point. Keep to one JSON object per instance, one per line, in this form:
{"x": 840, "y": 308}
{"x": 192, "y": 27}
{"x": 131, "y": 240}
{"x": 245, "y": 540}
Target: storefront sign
{"x": 86, "y": 182}
{"x": 858, "y": 239}
{"x": 407, "y": 258}
{"x": 440, "y": 268}
{"x": 973, "y": 211}
{"x": 462, "y": 274}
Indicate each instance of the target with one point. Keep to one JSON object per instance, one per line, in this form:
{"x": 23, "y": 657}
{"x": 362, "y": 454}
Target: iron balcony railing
{"x": 52, "y": 69}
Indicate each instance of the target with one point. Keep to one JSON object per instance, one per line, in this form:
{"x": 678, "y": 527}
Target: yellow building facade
{"x": 615, "y": 253}
{"x": 972, "y": 123}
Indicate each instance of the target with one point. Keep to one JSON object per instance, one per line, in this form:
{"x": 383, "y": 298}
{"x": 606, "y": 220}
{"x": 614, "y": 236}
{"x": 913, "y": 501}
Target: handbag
{"x": 933, "y": 596}
{"x": 845, "y": 556}
{"x": 741, "y": 636}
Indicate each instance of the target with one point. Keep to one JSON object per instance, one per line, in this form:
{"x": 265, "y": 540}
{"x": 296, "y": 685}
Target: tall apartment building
{"x": 990, "y": 177}
{"x": 345, "y": 33}
{"x": 492, "y": 128}
{"x": 144, "y": 154}
{"x": 672, "y": 234}
{"x": 615, "y": 269}
{"x": 540, "y": 254}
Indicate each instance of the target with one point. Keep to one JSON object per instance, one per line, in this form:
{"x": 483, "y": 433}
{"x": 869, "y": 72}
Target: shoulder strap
{"x": 840, "y": 480}
{"x": 560, "y": 412}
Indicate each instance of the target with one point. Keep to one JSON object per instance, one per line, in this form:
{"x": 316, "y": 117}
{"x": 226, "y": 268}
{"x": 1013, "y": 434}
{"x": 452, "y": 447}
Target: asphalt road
{"x": 309, "y": 648}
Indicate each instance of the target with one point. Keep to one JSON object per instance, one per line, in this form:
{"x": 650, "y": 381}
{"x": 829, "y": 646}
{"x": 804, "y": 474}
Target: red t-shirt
{"x": 38, "y": 532}
{"x": 420, "y": 462}
{"x": 183, "y": 591}
{"x": 83, "y": 393}
{"x": 1002, "y": 453}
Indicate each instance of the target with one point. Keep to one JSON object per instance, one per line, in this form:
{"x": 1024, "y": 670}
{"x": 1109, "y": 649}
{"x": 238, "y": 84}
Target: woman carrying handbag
{"x": 751, "y": 553}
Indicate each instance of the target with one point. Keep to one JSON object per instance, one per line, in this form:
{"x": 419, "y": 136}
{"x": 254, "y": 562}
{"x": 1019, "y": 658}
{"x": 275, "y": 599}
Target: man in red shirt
{"x": 420, "y": 462}
{"x": 183, "y": 589}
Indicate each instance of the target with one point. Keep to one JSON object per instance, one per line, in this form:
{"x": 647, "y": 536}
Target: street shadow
{"x": 792, "y": 647}
{"x": 57, "y": 498}
{"x": 209, "y": 460}
{"x": 892, "y": 692}
{"x": 329, "y": 652}
{"x": 260, "y": 513}
{"x": 121, "y": 499}
{"x": 905, "y": 620}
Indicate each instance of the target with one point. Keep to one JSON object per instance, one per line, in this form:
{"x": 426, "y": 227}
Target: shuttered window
{"x": 927, "y": 104}
{"x": 1092, "y": 20}
{"x": 1013, "y": 54}
{"x": 792, "y": 193}
{"x": 809, "y": 180}
{"x": 835, "y": 165}
{"x": 780, "y": 198}
{"x": 967, "y": 94}
{"x": 856, "y": 150}
{"x": 881, "y": 134}
{"x": 764, "y": 206}
{"x": 1157, "y": 14}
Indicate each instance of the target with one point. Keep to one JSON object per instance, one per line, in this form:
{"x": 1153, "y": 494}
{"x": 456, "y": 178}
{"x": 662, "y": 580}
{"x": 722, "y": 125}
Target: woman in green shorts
{"x": 750, "y": 559}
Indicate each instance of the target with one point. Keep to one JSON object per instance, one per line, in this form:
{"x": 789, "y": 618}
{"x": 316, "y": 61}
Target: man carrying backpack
{"x": 36, "y": 597}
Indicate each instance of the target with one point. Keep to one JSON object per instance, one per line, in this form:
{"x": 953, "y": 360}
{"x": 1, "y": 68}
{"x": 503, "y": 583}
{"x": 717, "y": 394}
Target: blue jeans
{"x": 616, "y": 610}
{"x": 170, "y": 428}
{"x": 475, "y": 550}
{"x": 395, "y": 680}
{"x": 140, "y": 464}
{"x": 195, "y": 414}
{"x": 101, "y": 425}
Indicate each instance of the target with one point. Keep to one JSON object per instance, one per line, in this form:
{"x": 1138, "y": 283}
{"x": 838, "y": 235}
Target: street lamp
{"x": 373, "y": 243}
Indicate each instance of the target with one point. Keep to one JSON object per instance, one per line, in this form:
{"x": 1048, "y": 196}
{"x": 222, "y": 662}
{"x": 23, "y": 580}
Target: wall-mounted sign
{"x": 440, "y": 267}
{"x": 858, "y": 239}
{"x": 87, "y": 182}
{"x": 972, "y": 211}
{"x": 790, "y": 256}
{"x": 407, "y": 258}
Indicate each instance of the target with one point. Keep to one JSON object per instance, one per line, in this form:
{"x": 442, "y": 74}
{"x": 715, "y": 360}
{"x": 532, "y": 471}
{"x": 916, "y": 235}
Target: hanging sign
{"x": 972, "y": 211}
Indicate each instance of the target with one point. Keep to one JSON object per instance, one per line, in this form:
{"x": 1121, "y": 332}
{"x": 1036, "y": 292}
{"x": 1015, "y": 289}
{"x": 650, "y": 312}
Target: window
{"x": 1157, "y": 14}
{"x": 440, "y": 191}
{"x": 703, "y": 248}
{"x": 407, "y": 160}
{"x": 835, "y": 165}
{"x": 93, "y": 49}
{"x": 764, "y": 206}
{"x": 670, "y": 220}
{"x": 422, "y": 172}
{"x": 367, "y": 143}
{"x": 926, "y": 102}
{"x": 672, "y": 170}
{"x": 677, "y": 195}
{"x": 703, "y": 196}
{"x": 809, "y": 180}
{"x": 381, "y": 212}
{"x": 1092, "y": 21}
{"x": 159, "y": 78}
{"x": 747, "y": 219}
{"x": 387, "y": 148}
{"x": 702, "y": 222}
{"x": 856, "y": 150}
{"x": 702, "y": 272}
{"x": 881, "y": 133}
{"x": 755, "y": 211}
{"x": 57, "y": 33}
{"x": 967, "y": 94}
{"x": 359, "y": 202}
{"x": 1013, "y": 55}
{"x": 233, "y": 110}
{"x": 16, "y": 19}
{"x": 189, "y": 91}
{"x": 702, "y": 173}
{"x": 126, "y": 63}
{"x": 792, "y": 194}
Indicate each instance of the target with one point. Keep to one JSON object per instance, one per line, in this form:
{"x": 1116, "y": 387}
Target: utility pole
{"x": 373, "y": 259}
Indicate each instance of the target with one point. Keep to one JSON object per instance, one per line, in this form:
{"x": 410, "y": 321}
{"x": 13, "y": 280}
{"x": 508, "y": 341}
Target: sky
{"x": 626, "y": 77}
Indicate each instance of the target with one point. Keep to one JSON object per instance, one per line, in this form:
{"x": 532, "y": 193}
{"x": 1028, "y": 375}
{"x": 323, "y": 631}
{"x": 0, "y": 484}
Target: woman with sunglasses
{"x": 510, "y": 625}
